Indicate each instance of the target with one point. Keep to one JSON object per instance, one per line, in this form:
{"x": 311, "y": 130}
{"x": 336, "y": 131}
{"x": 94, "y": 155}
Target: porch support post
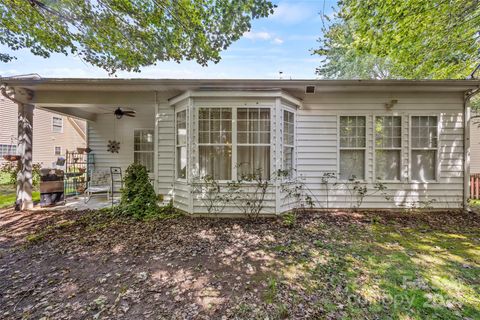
{"x": 25, "y": 148}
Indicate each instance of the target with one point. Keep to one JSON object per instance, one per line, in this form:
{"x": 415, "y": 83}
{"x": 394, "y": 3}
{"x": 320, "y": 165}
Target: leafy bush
{"x": 11, "y": 169}
{"x": 138, "y": 196}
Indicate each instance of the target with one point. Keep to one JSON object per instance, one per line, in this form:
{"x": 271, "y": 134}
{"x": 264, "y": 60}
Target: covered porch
{"x": 136, "y": 137}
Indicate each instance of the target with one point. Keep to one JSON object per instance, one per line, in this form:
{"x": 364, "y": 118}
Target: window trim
{"x": 401, "y": 149}
{"x": 234, "y": 144}
{"x": 365, "y": 149}
{"x": 54, "y": 150}
{"x": 53, "y": 126}
{"x": 181, "y": 109}
{"x": 284, "y": 145}
{"x": 153, "y": 151}
{"x": 437, "y": 149}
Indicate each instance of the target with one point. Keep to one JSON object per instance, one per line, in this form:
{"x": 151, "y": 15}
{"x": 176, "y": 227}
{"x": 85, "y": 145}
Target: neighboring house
{"x": 407, "y": 135}
{"x": 54, "y": 134}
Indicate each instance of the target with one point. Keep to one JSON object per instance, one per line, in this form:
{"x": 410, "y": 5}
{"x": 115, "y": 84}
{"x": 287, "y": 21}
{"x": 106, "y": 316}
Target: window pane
{"x": 288, "y": 159}
{"x": 352, "y": 164}
{"x": 423, "y": 165}
{"x": 215, "y": 161}
{"x": 288, "y": 128}
{"x": 254, "y": 159}
{"x": 387, "y": 164}
{"x": 182, "y": 162}
{"x": 182, "y": 127}
{"x": 145, "y": 159}
{"x": 388, "y": 131}
{"x": 424, "y": 132}
{"x": 352, "y": 131}
{"x": 253, "y": 126}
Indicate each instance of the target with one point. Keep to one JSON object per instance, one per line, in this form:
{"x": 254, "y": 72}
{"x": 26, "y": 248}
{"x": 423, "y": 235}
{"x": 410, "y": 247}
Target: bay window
{"x": 181, "y": 141}
{"x": 215, "y": 143}
{"x": 253, "y": 142}
{"x": 388, "y": 147}
{"x": 288, "y": 141}
{"x": 424, "y": 144}
{"x": 352, "y": 147}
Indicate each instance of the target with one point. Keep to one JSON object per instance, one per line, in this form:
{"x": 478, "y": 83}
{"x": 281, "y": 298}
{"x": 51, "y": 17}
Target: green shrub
{"x": 138, "y": 196}
{"x": 11, "y": 169}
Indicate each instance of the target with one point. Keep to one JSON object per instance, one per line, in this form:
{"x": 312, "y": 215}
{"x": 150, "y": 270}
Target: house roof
{"x": 293, "y": 86}
{"x": 84, "y": 98}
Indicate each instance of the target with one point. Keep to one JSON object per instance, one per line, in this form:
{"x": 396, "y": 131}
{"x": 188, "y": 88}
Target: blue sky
{"x": 281, "y": 42}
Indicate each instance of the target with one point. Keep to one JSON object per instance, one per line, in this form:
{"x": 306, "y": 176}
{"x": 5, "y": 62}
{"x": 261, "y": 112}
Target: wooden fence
{"x": 475, "y": 186}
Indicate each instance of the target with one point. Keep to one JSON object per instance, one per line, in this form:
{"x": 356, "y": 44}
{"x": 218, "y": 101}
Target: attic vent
{"x": 310, "y": 89}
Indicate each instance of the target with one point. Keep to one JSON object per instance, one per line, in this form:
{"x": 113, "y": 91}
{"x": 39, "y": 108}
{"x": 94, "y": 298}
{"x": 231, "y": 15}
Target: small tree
{"x": 138, "y": 196}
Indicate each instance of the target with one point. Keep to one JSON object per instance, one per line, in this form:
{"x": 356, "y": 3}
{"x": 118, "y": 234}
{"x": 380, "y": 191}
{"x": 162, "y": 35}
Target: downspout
{"x": 466, "y": 144}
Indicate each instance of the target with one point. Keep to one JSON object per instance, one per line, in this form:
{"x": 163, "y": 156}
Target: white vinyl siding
{"x": 352, "y": 147}
{"x": 317, "y": 146}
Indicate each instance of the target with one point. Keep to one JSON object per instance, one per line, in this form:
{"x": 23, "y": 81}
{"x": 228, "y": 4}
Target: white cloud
{"x": 292, "y": 13}
{"x": 277, "y": 41}
{"x": 262, "y": 35}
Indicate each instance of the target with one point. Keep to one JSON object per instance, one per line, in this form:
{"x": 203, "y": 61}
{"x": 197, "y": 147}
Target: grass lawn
{"x": 7, "y": 195}
{"x": 338, "y": 265}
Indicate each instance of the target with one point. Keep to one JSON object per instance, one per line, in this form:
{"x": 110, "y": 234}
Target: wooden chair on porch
{"x": 116, "y": 181}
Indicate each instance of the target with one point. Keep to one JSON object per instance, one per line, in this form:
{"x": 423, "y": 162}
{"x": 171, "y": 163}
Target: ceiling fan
{"x": 119, "y": 113}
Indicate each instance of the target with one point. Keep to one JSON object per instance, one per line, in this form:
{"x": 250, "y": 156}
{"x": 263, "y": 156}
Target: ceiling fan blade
{"x": 129, "y": 115}
{"x": 129, "y": 111}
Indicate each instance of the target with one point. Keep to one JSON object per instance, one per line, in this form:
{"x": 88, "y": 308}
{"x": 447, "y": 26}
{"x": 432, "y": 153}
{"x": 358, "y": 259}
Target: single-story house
{"x": 411, "y": 136}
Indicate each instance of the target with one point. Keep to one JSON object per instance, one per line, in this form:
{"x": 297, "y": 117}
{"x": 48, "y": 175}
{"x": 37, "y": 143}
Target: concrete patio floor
{"x": 78, "y": 203}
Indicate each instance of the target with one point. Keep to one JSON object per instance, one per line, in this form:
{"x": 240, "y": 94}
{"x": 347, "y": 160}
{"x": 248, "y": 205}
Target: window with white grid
{"x": 288, "y": 140}
{"x": 253, "y": 141}
{"x": 215, "y": 143}
{"x": 181, "y": 142}
{"x": 388, "y": 147}
{"x": 424, "y": 147}
{"x": 352, "y": 147}
{"x": 143, "y": 150}
{"x": 57, "y": 124}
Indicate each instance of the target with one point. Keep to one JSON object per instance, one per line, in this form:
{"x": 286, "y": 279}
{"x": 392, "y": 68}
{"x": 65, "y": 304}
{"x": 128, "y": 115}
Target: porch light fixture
{"x": 389, "y": 105}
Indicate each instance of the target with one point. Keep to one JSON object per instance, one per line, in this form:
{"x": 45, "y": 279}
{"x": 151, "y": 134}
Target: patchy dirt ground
{"x": 86, "y": 265}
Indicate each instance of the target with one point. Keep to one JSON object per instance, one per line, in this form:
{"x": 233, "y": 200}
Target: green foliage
{"x": 414, "y": 39}
{"x": 11, "y": 168}
{"x": 289, "y": 219}
{"x": 126, "y": 34}
{"x": 138, "y": 196}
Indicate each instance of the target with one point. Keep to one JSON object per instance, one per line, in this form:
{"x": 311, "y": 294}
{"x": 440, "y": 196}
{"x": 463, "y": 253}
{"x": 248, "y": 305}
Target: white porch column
{"x": 25, "y": 148}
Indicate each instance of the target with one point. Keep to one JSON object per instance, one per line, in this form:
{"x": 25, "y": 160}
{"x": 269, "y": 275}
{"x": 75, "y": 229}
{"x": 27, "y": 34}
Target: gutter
{"x": 466, "y": 144}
